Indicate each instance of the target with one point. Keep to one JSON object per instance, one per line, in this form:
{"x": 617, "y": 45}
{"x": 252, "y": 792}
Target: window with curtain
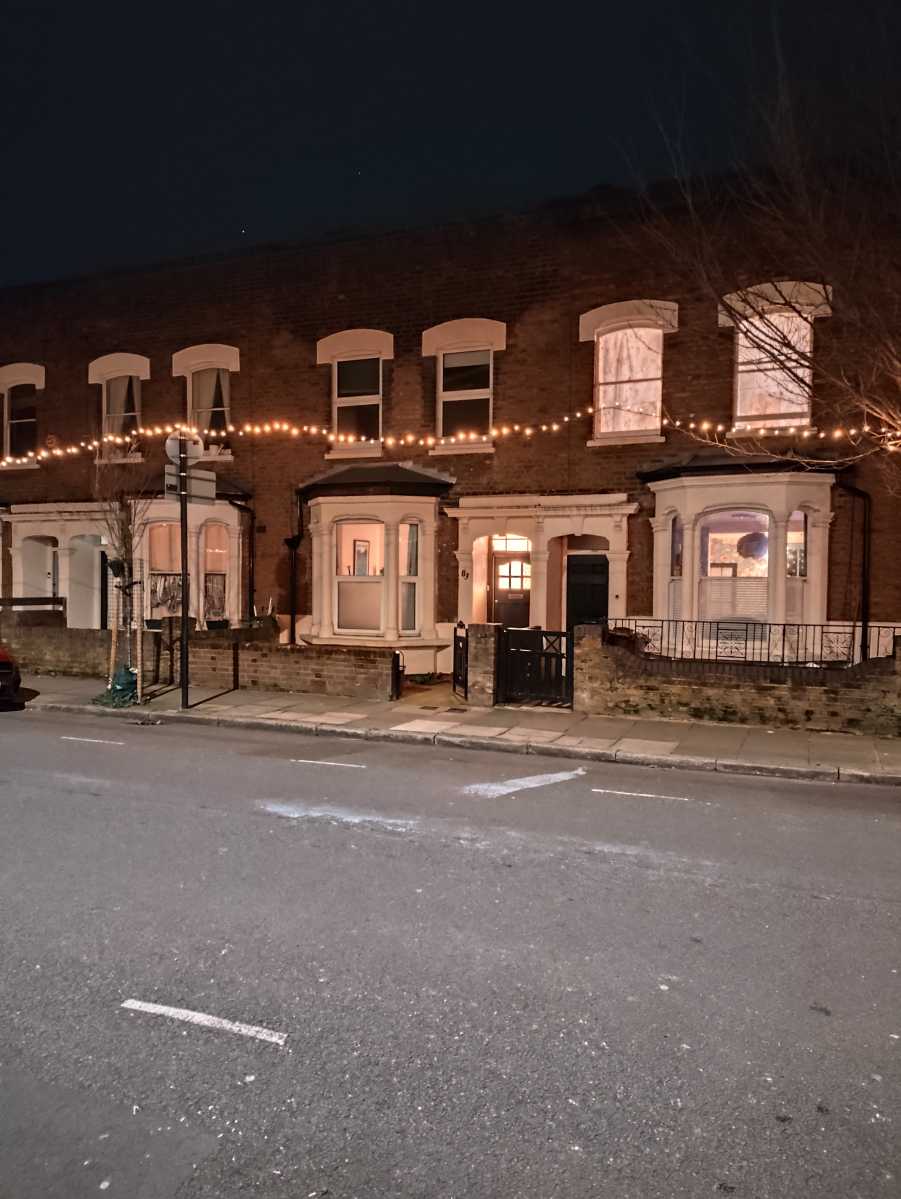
{"x": 359, "y": 575}
{"x": 629, "y": 382}
{"x": 408, "y": 566}
{"x": 464, "y": 393}
{"x": 164, "y": 552}
{"x": 215, "y": 572}
{"x": 773, "y": 372}
{"x": 210, "y": 396}
{"x": 20, "y": 421}
{"x": 357, "y": 398}
{"x": 122, "y": 406}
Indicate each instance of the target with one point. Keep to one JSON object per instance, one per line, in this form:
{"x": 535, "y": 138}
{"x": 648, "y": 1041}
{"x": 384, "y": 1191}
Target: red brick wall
{"x": 537, "y": 274}
{"x": 351, "y": 671}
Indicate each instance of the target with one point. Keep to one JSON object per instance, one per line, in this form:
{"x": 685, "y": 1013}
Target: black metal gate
{"x": 535, "y": 666}
{"x": 461, "y": 661}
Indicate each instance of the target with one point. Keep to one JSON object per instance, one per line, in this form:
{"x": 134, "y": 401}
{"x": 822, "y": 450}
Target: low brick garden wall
{"x": 615, "y": 680}
{"x": 315, "y": 669}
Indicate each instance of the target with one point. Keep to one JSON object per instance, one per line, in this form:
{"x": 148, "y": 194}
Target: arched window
{"x": 208, "y": 369}
{"x": 356, "y": 358}
{"x": 774, "y": 351}
{"x": 628, "y": 384}
{"x": 19, "y": 384}
{"x": 119, "y": 377}
{"x": 164, "y": 550}
{"x": 464, "y": 350}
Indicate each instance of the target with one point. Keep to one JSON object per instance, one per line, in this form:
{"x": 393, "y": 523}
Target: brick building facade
{"x": 464, "y": 331}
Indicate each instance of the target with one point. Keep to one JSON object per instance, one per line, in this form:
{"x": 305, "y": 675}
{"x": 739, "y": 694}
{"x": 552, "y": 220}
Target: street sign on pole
{"x": 193, "y": 447}
{"x": 201, "y": 485}
{"x": 183, "y": 462}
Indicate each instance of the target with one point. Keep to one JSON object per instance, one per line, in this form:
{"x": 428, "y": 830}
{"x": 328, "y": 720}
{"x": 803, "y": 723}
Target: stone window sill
{"x": 605, "y": 439}
{"x": 219, "y": 456}
{"x": 463, "y": 447}
{"x": 123, "y": 460}
{"x": 21, "y": 466}
{"x": 755, "y": 431}
{"x": 363, "y": 451}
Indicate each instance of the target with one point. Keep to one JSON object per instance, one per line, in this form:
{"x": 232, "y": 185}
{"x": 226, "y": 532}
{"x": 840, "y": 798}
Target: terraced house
{"x": 491, "y": 422}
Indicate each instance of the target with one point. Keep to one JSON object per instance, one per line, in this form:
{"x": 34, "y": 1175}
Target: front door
{"x": 511, "y": 586}
{"x": 586, "y": 589}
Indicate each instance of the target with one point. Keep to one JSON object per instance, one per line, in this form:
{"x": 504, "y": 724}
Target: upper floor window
{"x": 19, "y": 384}
{"x": 628, "y": 370}
{"x": 208, "y": 369}
{"x": 465, "y": 350}
{"x": 119, "y": 377}
{"x": 774, "y": 351}
{"x": 356, "y": 358}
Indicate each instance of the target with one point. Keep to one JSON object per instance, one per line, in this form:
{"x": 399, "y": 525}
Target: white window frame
{"x": 612, "y": 318}
{"x": 466, "y": 335}
{"x": 351, "y": 345}
{"x": 807, "y": 302}
{"x": 17, "y": 374}
{"x": 208, "y": 356}
{"x": 402, "y": 578}
{"x": 358, "y": 580}
{"x": 101, "y": 371}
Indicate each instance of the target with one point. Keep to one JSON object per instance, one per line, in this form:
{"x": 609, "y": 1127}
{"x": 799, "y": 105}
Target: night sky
{"x": 136, "y": 132}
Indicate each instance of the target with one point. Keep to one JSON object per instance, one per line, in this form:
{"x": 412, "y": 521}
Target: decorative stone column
{"x": 324, "y": 583}
{"x": 816, "y": 588}
{"x": 64, "y": 566}
{"x": 688, "y": 609}
{"x": 391, "y": 581}
{"x": 195, "y": 576}
{"x": 662, "y": 555}
{"x": 538, "y": 591}
{"x": 776, "y": 570}
{"x": 464, "y": 585}
{"x": 618, "y": 560}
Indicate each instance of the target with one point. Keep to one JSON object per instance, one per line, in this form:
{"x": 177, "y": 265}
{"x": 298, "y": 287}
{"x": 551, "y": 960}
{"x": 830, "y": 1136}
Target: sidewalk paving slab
{"x": 670, "y": 744}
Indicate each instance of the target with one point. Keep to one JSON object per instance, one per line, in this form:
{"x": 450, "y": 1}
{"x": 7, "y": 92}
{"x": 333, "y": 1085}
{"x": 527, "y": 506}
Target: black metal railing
{"x": 838, "y": 644}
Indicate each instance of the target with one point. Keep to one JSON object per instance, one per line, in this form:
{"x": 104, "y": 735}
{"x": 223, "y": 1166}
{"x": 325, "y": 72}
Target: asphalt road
{"x": 494, "y": 975}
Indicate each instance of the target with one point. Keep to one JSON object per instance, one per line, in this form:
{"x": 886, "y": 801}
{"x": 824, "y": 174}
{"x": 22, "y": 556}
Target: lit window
{"x": 774, "y": 350}
{"x": 515, "y": 575}
{"x": 165, "y": 569}
{"x": 119, "y": 377}
{"x": 773, "y": 369}
{"x": 359, "y": 571}
{"x": 464, "y": 394}
{"x": 629, "y": 381}
{"x": 210, "y": 393}
{"x": 512, "y": 545}
{"x": 796, "y": 546}
{"x": 19, "y": 385}
{"x": 215, "y": 572}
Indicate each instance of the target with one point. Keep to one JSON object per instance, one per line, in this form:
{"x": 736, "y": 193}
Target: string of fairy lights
{"x": 709, "y": 430}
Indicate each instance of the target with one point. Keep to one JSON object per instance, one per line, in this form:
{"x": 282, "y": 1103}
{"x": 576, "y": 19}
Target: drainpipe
{"x": 252, "y": 548}
{"x": 293, "y": 544}
{"x": 866, "y": 500}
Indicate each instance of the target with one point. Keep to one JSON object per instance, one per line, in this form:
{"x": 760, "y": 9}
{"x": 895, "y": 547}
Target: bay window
{"x": 359, "y": 576}
{"x": 408, "y": 571}
{"x": 164, "y": 538}
{"x": 215, "y": 574}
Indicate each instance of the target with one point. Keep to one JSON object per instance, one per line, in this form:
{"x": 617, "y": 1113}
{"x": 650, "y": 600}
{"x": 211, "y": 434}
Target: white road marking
{"x": 92, "y": 740}
{"x": 495, "y": 790}
{"x": 640, "y": 794}
{"x": 181, "y": 1013}
{"x": 322, "y": 762}
{"x": 296, "y": 811}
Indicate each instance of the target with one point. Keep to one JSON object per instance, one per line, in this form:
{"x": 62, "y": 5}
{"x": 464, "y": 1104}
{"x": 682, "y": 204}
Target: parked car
{"x": 10, "y": 679}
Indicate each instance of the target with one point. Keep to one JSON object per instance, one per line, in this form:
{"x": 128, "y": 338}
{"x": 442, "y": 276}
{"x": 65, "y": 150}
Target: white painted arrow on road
{"x": 495, "y": 790}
